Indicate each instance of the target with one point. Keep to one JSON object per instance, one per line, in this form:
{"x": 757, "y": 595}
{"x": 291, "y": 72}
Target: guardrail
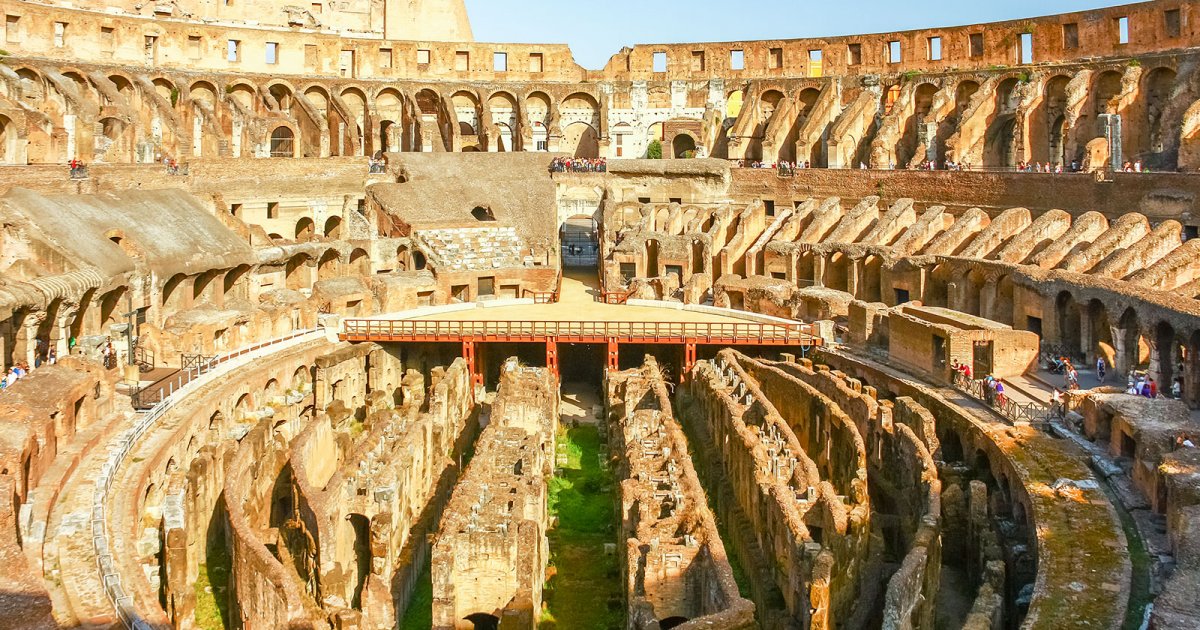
{"x": 613, "y": 297}
{"x": 1004, "y": 405}
{"x": 744, "y": 333}
{"x": 119, "y": 450}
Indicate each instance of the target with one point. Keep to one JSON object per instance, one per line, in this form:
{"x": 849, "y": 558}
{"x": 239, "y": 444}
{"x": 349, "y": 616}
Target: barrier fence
{"x": 745, "y": 333}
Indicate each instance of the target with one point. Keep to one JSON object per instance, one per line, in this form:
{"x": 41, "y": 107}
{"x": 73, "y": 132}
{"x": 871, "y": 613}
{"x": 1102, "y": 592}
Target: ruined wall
{"x": 490, "y": 554}
{"x": 388, "y": 462}
{"x": 675, "y": 562}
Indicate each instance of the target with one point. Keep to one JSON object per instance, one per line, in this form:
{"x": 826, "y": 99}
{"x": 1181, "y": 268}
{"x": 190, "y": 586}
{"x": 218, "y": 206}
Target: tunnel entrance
{"x": 579, "y": 243}
{"x": 484, "y": 621}
{"x": 582, "y": 362}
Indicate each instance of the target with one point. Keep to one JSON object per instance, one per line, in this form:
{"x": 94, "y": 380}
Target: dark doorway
{"x": 484, "y": 621}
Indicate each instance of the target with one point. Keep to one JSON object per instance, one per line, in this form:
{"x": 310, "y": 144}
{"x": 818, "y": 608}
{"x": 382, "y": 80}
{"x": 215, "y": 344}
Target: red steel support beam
{"x": 552, "y": 356}
{"x": 613, "y": 355}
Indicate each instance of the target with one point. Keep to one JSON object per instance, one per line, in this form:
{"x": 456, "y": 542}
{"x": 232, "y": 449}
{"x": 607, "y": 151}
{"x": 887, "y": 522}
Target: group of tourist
{"x": 43, "y": 355}
{"x": 993, "y": 388}
{"x": 1133, "y": 167}
{"x": 173, "y": 167}
{"x": 377, "y": 163}
{"x": 78, "y": 168}
{"x": 579, "y": 165}
{"x": 1043, "y": 167}
{"x": 1140, "y": 384}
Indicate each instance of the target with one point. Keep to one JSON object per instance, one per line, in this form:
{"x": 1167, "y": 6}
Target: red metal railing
{"x": 732, "y": 333}
{"x": 614, "y": 297}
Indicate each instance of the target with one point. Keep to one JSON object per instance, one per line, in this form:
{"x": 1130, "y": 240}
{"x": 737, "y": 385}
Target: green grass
{"x": 212, "y": 589}
{"x": 419, "y": 615}
{"x": 585, "y": 590}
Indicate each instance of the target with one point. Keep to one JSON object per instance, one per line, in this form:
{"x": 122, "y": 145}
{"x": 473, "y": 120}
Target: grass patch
{"x": 419, "y": 615}
{"x": 212, "y": 589}
{"x": 585, "y": 590}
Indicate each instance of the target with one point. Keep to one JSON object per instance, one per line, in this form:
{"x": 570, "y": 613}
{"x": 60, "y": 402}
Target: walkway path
{"x": 577, "y": 302}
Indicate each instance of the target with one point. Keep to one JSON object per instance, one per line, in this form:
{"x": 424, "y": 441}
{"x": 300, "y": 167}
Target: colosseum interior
{"x": 334, "y": 318}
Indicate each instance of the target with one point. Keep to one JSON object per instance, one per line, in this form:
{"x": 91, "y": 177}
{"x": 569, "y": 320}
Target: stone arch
{"x": 1003, "y": 304}
{"x": 283, "y": 142}
{"x": 282, "y": 96}
{"x": 333, "y": 227}
{"x": 1157, "y": 87}
{"x": 418, "y": 260}
{"x": 203, "y": 92}
{"x": 233, "y": 284}
{"x": 1067, "y": 316}
{"x": 295, "y": 272}
{"x": 243, "y": 93}
{"x": 972, "y": 288}
{"x": 871, "y": 282}
{"x": 201, "y": 285}
{"x": 360, "y": 262}
{"x": 305, "y": 228}
{"x": 683, "y": 146}
{"x": 115, "y": 140}
{"x": 466, "y": 112}
{"x": 172, "y": 298}
{"x": 581, "y": 140}
{"x": 389, "y": 107}
{"x": 1131, "y": 348}
{"x": 1101, "y": 332}
{"x": 8, "y": 140}
{"x": 1168, "y": 355}
{"x": 329, "y": 265}
{"x": 1047, "y": 133}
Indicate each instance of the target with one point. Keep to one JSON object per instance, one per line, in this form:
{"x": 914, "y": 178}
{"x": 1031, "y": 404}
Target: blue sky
{"x": 597, "y": 29}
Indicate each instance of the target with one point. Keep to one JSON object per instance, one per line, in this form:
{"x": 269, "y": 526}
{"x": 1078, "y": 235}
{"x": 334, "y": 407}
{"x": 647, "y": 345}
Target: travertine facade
{"x": 195, "y": 446}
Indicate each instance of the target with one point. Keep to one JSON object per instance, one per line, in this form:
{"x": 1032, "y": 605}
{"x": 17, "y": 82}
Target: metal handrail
{"x": 1012, "y": 410}
{"x": 364, "y": 329}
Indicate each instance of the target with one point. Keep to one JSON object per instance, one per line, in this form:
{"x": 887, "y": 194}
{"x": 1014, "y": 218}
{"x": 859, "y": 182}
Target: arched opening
{"x": 333, "y": 227}
{"x": 1158, "y": 86}
{"x": 1131, "y": 350}
{"x": 972, "y": 292}
{"x": 651, "y": 258}
{"x": 698, "y": 257}
{"x": 305, "y": 228}
{"x": 683, "y": 146}
{"x": 936, "y": 287}
{"x": 418, "y": 260}
{"x": 361, "y": 531}
{"x": 402, "y": 258}
{"x": 1002, "y": 305}
{"x": 1168, "y": 353}
{"x": 484, "y": 621}
{"x": 581, "y": 140}
{"x": 327, "y": 266}
{"x": 1067, "y": 313}
{"x": 8, "y": 136}
{"x": 1101, "y": 331}
{"x": 483, "y": 214}
{"x": 283, "y": 143}
{"x": 233, "y": 281}
{"x": 171, "y": 298}
{"x": 872, "y": 290}
{"x": 296, "y": 273}
{"x": 837, "y": 275}
{"x": 999, "y": 143}
{"x": 672, "y": 622}
{"x": 360, "y": 263}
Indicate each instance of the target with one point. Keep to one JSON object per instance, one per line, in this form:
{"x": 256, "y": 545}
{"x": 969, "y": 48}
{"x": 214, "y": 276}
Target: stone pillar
{"x": 818, "y": 270}
{"x": 853, "y": 273}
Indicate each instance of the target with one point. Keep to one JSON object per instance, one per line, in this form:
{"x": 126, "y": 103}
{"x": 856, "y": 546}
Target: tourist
{"x": 1100, "y": 367}
{"x": 999, "y": 387}
{"x": 52, "y": 358}
{"x": 1184, "y": 441}
{"x": 1151, "y": 389}
{"x": 1177, "y": 388}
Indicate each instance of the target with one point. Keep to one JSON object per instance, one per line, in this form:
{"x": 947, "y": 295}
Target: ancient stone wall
{"x": 675, "y": 562}
{"x": 489, "y": 557}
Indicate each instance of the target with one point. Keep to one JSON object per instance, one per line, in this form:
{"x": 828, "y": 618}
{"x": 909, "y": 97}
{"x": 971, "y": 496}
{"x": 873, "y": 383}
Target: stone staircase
{"x": 474, "y": 249}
